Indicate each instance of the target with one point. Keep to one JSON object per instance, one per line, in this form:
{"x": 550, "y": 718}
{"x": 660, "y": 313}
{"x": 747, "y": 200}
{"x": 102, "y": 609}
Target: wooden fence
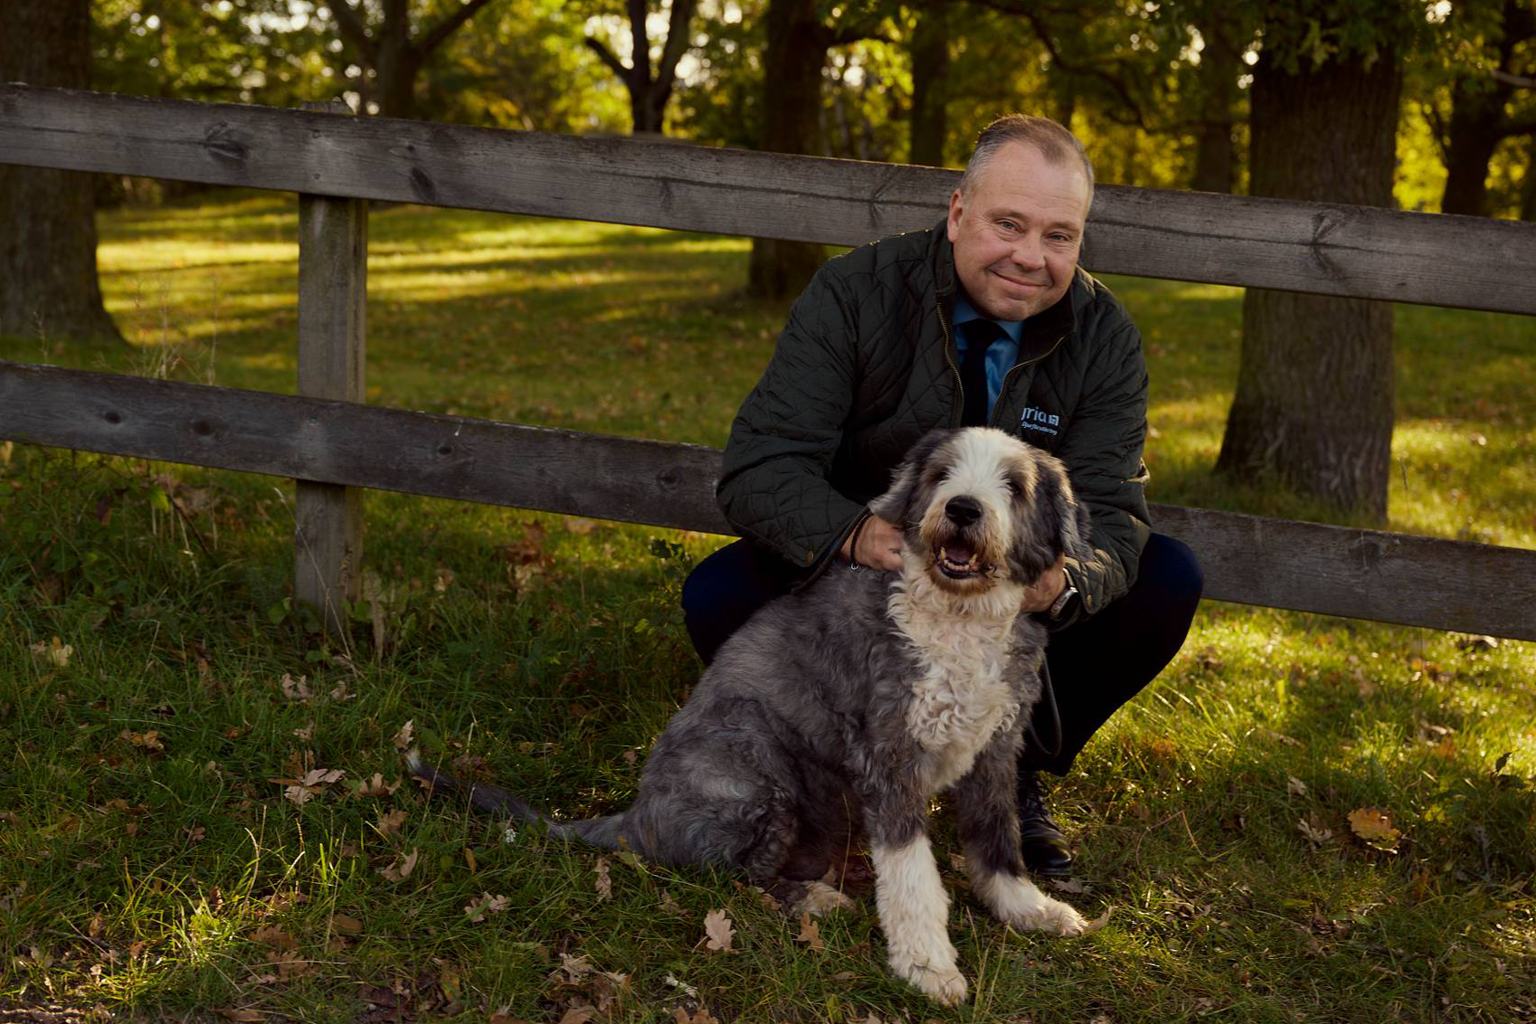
{"x": 330, "y": 442}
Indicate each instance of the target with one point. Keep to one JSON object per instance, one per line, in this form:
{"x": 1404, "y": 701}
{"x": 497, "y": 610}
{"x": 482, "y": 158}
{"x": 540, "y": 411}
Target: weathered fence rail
{"x": 327, "y": 439}
{"x": 1467, "y": 262}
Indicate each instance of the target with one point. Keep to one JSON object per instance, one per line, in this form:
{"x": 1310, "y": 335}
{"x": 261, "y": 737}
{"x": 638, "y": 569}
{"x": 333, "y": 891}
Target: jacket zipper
{"x": 1019, "y": 366}
{"x": 938, "y": 305}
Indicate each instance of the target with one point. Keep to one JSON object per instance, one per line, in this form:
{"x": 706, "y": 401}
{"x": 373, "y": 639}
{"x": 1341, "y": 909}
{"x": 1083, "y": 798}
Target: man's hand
{"x": 1041, "y": 594}
{"x": 879, "y": 545}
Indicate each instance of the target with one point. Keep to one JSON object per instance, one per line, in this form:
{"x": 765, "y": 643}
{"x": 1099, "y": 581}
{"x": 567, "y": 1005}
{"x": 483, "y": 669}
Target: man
{"x": 984, "y": 319}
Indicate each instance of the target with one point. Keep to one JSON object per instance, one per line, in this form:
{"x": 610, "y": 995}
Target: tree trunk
{"x": 792, "y": 63}
{"x": 930, "y": 85}
{"x": 1220, "y": 64}
{"x": 1528, "y": 186}
{"x": 48, "y": 282}
{"x": 1476, "y": 129}
{"x": 1314, "y": 394}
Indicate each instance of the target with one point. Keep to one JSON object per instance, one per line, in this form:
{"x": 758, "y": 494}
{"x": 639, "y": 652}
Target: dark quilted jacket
{"x": 866, "y": 366}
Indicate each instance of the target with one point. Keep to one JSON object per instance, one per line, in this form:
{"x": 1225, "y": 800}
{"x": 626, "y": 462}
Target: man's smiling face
{"x": 1018, "y": 232}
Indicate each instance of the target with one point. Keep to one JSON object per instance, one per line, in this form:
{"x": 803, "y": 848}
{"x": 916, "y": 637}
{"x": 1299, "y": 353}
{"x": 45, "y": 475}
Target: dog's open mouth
{"x": 960, "y": 561}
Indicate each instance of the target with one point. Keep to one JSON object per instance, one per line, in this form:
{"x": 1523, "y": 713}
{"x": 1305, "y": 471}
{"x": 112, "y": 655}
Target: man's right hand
{"x": 879, "y": 545}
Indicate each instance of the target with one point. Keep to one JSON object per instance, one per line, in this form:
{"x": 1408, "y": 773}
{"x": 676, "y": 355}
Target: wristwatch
{"x": 1061, "y": 602}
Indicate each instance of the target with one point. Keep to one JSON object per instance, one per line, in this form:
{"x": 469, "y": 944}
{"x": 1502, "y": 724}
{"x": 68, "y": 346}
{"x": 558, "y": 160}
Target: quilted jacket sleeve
{"x": 774, "y": 478}
{"x": 1102, "y": 452}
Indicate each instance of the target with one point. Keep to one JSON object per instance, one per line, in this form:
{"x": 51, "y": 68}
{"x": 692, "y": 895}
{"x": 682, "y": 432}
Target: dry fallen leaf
{"x": 810, "y": 933}
{"x": 376, "y": 786}
{"x": 399, "y": 869}
{"x": 145, "y": 740}
{"x": 1294, "y": 786}
{"x": 55, "y": 653}
{"x": 718, "y": 931}
{"x": 1098, "y": 922}
{"x": 403, "y": 737}
{"x": 1072, "y": 885}
{"x": 1373, "y": 826}
{"x": 242, "y": 1016}
{"x": 275, "y": 937}
{"x": 306, "y": 734}
{"x": 346, "y": 924}
{"x": 485, "y": 904}
{"x": 579, "y": 1015}
{"x": 1314, "y": 831}
{"x": 389, "y": 824}
{"x": 699, "y": 1016}
{"x": 604, "y": 882}
{"x": 296, "y": 689}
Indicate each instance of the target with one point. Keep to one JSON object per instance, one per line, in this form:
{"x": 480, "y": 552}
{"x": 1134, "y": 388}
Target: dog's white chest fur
{"x": 959, "y": 695}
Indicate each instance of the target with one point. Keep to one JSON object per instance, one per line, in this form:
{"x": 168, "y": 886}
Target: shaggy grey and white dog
{"x": 844, "y": 708}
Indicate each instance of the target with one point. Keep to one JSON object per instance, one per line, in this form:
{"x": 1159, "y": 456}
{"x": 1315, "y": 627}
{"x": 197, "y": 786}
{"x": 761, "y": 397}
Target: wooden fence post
{"x": 333, "y": 288}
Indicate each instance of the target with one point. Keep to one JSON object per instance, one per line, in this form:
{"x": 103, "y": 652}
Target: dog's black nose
{"x": 963, "y": 511}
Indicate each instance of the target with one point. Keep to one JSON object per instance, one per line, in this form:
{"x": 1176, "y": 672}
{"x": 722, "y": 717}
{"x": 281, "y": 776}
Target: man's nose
{"x": 1027, "y": 252}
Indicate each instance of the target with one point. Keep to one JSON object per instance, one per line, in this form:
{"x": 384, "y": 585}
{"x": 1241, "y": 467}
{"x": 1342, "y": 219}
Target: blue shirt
{"x": 1001, "y": 354}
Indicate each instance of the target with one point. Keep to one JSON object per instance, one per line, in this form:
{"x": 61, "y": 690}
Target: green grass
{"x": 169, "y": 876}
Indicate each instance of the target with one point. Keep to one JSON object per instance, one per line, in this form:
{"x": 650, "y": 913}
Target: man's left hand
{"x": 1041, "y": 594}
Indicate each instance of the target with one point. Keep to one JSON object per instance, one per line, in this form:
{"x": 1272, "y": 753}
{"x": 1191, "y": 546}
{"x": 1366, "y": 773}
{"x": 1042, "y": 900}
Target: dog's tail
{"x": 604, "y": 832}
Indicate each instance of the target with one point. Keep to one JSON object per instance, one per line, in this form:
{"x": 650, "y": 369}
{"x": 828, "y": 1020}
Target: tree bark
{"x": 1220, "y": 64}
{"x": 792, "y": 63}
{"x": 48, "y": 280}
{"x": 1478, "y": 121}
{"x": 1528, "y": 186}
{"x": 1314, "y": 398}
{"x": 930, "y": 85}
{"x": 1477, "y": 117}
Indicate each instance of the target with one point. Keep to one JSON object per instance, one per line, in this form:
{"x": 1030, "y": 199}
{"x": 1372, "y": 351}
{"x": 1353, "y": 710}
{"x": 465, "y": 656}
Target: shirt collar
{"x": 964, "y": 311}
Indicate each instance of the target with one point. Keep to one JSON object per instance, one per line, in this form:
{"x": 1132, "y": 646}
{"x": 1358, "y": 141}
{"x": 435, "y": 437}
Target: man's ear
{"x": 956, "y": 208}
{"x": 892, "y": 506}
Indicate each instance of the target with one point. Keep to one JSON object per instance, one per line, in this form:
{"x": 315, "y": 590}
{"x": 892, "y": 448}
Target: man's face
{"x": 1018, "y": 233}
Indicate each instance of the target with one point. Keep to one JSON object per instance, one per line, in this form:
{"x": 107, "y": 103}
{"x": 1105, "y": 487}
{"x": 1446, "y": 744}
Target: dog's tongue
{"x": 960, "y": 554}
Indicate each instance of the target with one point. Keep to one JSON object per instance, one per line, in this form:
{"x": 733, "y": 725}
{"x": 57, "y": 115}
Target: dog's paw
{"x": 941, "y": 983}
{"x": 1057, "y": 918}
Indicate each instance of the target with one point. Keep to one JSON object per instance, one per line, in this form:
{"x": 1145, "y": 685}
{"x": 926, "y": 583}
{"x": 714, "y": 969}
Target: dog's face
{"x": 980, "y": 508}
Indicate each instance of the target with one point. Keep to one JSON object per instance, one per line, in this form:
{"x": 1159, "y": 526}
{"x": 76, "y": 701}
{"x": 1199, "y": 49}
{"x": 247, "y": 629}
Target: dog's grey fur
{"x": 843, "y": 708}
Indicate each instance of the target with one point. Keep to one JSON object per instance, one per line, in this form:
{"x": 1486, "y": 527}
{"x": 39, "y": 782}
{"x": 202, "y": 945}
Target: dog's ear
{"x": 892, "y": 506}
{"x": 1064, "y": 518}
{"x": 1053, "y": 523}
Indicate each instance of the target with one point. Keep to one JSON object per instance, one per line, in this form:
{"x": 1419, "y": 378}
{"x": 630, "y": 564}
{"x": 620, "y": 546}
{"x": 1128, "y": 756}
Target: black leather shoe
{"x": 1046, "y": 850}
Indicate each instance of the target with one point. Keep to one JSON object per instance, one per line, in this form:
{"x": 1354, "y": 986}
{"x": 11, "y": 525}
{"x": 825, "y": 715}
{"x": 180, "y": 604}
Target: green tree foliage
{"x": 523, "y": 64}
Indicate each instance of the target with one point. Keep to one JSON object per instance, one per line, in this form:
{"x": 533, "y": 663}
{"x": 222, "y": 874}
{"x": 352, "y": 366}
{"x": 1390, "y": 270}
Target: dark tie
{"x": 979, "y": 336}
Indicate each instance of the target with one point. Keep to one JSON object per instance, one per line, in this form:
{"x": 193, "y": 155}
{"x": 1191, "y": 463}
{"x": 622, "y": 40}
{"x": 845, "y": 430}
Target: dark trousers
{"x": 1096, "y": 664}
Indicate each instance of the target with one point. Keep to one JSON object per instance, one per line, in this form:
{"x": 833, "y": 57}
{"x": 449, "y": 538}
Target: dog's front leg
{"x": 989, "y": 830}
{"x": 914, "y": 908}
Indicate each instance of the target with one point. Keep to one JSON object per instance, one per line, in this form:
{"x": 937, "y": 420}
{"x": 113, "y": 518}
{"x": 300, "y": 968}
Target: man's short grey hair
{"x": 1050, "y": 140}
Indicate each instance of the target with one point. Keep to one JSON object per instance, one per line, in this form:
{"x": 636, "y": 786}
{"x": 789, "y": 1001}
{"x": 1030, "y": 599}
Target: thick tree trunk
{"x": 48, "y": 282}
{"x": 796, "y": 53}
{"x": 930, "y": 85}
{"x": 1476, "y": 129}
{"x": 1314, "y": 394}
{"x": 1220, "y": 64}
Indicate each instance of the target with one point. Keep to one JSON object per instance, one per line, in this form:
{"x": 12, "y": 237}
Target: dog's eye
{"x": 1014, "y": 488}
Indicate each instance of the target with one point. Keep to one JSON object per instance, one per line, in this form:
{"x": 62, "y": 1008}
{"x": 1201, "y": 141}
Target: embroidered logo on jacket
{"x": 1039, "y": 419}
